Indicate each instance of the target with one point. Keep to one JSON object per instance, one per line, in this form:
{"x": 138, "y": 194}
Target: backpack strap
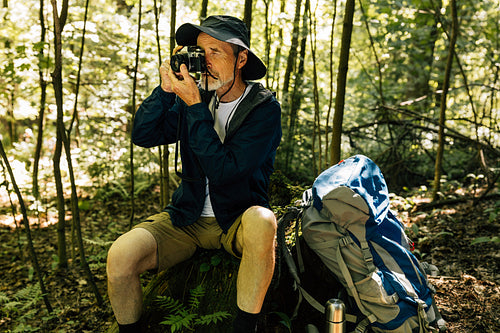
{"x": 370, "y": 318}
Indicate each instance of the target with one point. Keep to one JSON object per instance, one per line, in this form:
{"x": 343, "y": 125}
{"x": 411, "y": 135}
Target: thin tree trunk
{"x": 317, "y": 117}
{"x": 43, "y": 96}
{"x": 64, "y": 139}
{"x": 286, "y": 98}
{"x": 294, "y": 106}
{"x": 442, "y": 113}
{"x": 335, "y": 149}
{"x": 277, "y": 58}
{"x": 247, "y": 16}
{"x": 267, "y": 38}
{"x": 162, "y": 150}
{"x": 58, "y": 93}
{"x": 377, "y": 60}
{"x": 330, "y": 97}
{"x": 203, "y": 11}
{"x": 74, "y": 116}
{"x": 134, "y": 86}
{"x": 33, "y": 256}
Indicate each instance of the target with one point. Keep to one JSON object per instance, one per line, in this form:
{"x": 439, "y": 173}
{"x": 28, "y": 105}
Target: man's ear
{"x": 242, "y": 58}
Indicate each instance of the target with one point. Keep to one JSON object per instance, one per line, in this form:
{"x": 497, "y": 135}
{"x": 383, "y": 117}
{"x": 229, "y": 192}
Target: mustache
{"x": 208, "y": 73}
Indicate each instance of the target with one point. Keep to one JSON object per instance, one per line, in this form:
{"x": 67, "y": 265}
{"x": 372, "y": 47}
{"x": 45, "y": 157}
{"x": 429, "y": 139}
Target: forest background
{"x": 414, "y": 85}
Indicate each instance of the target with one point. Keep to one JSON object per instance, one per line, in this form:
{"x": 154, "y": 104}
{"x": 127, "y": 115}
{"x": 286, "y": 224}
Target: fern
{"x": 194, "y": 299}
{"x": 171, "y": 305}
{"x": 97, "y": 242}
{"x": 3, "y": 298}
{"x": 177, "y": 322}
{"x": 212, "y": 318}
{"x": 182, "y": 317}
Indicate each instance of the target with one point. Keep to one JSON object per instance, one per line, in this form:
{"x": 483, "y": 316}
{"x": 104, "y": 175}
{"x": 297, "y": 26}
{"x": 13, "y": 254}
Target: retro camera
{"x": 194, "y": 59}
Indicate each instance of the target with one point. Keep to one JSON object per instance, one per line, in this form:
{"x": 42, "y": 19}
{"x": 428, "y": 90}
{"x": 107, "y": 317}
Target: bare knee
{"x": 258, "y": 227}
{"x": 131, "y": 254}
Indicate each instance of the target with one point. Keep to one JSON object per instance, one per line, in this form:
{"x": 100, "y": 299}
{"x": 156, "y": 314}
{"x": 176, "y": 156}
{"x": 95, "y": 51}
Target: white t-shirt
{"x": 223, "y": 115}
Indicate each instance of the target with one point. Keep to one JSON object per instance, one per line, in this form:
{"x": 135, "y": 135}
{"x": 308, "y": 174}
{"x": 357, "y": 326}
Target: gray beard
{"x": 214, "y": 84}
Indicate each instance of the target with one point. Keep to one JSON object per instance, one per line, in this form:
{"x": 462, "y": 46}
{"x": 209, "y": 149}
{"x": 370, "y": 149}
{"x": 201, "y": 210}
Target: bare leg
{"x": 130, "y": 255}
{"x": 256, "y": 241}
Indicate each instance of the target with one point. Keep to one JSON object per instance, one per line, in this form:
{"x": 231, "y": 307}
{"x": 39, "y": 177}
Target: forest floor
{"x": 460, "y": 239}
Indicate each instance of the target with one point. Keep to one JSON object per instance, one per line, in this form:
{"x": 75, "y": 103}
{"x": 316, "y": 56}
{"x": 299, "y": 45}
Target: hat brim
{"x": 187, "y": 35}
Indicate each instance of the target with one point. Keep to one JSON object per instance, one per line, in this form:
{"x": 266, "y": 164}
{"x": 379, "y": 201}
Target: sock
{"x": 130, "y": 328}
{"x": 245, "y": 322}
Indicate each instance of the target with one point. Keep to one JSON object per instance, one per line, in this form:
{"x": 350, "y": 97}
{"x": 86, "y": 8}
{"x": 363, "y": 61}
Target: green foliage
{"x": 21, "y": 307}
{"x": 180, "y": 316}
{"x": 485, "y": 239}
{"x": 285, "y": 320}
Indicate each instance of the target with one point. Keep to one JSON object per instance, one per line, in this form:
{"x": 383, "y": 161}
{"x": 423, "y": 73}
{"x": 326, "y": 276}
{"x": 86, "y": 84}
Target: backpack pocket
{"x": 375, "y": 298}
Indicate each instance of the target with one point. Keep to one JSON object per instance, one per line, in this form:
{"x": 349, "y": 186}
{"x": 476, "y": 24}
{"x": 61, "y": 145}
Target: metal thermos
{"x": 335, "y": 316}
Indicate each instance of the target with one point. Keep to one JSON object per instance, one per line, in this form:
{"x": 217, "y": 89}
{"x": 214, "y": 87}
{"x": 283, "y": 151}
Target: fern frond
{"x": 195, "y": 295}
{"x": 212, "y": 318}
{"x": 29, "y": 292}
{"x": 97, "y": 242}
{"x": 177, "y": 322}
{"x": 171, "y": 305}
{"x": 3, "y": 298}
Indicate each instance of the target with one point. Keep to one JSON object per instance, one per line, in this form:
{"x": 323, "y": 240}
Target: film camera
{"x": 194, "y": 59}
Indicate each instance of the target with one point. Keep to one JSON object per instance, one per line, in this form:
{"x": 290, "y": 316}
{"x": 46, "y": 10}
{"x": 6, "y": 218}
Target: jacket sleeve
{"x": 253, "y": 144}
{"x": 155, "y": 122}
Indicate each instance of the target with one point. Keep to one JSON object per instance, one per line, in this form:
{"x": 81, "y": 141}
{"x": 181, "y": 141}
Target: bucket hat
{"x": 227, "y": 29}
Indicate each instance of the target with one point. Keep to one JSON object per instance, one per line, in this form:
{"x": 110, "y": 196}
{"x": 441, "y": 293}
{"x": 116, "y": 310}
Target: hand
{"x": 166, "y": 84}
{"x": 183, "y": 86}
{"x": 165, "y": 68}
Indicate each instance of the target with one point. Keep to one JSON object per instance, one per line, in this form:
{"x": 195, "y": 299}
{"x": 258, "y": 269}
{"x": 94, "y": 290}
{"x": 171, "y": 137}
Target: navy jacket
{"x": 238, "y": 169}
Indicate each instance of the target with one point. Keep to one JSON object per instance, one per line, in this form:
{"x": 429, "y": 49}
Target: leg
{"x": 255, "y": 239}
{"x": 130, "y": 255}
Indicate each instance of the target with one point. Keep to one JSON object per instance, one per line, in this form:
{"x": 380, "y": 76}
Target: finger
{"x": 177, "y": 49}
{"x": 184, "y": 71}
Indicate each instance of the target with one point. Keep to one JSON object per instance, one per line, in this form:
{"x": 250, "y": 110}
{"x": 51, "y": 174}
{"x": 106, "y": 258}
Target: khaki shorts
{"x": 177, "y": 244}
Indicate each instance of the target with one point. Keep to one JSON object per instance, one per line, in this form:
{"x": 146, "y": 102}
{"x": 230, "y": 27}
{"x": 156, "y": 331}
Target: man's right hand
{"x": 166, "y": 83}
{"x": 165, "y": 69}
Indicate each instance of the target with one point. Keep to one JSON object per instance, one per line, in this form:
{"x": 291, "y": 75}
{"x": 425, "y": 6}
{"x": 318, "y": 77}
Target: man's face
{"x": 220, "y": 62}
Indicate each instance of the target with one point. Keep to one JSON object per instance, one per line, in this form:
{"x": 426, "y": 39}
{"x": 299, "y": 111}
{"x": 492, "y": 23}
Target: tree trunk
{"x": 58, "y": 92}
{"x": 296, "y": 97}
{"x": 43, "y": 94}
{"x": 33, "y": 256}
{"x": 132, "y": 109}
{"x": 317, "y": 112}
{"x": 442, "y": 113}
{"x": 247, "y": 16}
{"x": 335, "y": 149}
{"x": 330, "y": 97}
{"x": 285, "y": 98}
{"x": 277, "y": 58}
{"x": 203, "y": 11}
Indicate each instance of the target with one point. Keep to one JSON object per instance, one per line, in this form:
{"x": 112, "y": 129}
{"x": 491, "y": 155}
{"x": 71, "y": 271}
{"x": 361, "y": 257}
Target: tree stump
{"x": 215, "y": 271}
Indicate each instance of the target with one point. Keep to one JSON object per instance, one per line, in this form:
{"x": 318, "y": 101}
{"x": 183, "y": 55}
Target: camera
{"x": 194, "y": 59}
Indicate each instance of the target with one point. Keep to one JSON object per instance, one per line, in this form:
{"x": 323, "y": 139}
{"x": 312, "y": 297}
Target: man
{"x": 229, "y": 130}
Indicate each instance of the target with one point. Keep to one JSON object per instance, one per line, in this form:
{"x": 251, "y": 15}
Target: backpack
{"x": 346, "y": 221}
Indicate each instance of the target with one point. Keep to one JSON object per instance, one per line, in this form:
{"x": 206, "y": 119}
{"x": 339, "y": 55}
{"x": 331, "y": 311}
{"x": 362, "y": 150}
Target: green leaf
{"x": 485, "y": 239}
{"x": 215, "y": 260}
{"x": 443, "y": 233}
{"x": 205, "y": 267}
{"x": 285, "y": 320}
{"x": 415, "y": 229}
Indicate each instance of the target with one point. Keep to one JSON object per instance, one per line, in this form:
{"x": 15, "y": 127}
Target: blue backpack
{"x": 346, "y": 221}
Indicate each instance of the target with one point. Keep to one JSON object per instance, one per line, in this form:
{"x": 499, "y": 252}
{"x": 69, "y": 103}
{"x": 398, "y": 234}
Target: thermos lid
{"x": 335, "y": 310}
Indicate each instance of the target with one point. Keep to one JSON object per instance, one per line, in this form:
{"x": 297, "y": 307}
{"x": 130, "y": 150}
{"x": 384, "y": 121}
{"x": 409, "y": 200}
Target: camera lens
{"x": 176, "y": 62}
